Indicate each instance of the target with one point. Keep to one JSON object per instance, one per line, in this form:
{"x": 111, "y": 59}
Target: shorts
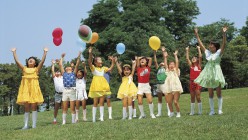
{"x": 58, "y": 97}
{"x": 144, "y": 88}
{"x": 159, "y": 88}
{"x": 69, "y": 94}
{"x": 81, "y": 95}
{"x": 194, "y": 86}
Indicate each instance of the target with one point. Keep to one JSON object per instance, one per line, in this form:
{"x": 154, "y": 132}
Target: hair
{"x": 95, "y": 59}
{"x": 147, "y": 60}
{"x": 56, "y": 69}
{"x": 81, "y": 72}
{"x": 35, "y": 59}
{"x": 125, "y": 66}
{"x": 216, "y": 44}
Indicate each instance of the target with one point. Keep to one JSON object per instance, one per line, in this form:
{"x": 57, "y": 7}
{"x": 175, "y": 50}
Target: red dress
{"x": 194, "y": 73}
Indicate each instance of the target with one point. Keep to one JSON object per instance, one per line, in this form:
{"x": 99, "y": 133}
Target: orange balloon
{"x": 94, "y": 38}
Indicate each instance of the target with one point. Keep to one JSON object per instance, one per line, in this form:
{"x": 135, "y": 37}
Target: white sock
{"x": 220, "y": 101}
{"x": 151, "y": 108}
{"x": 134, "y": 112}
{"x": 124, "y": 113}
{"x": 141, "y": 108}
{"x": 101, "y": 112}
{"x": 94, "y": 114}
{"x": 130, "y": 109}
{"x": 77, "y": 114}
{"x": 54, "y": 119}
{"x": 211, "y": 103}
{"x": 73, "y": 116}
{"x": 199, "y": 108}
{"x": 64, "y": 118}
{"x": 159, "y": 108}
{"x": 84, "y": 113}
{"x": 168, "y": 109}
{"x": 26, "y": 118}
{"x": 192, "y": 108}
{"x": 110, "y": 112}
{"x": 34, "y": 118}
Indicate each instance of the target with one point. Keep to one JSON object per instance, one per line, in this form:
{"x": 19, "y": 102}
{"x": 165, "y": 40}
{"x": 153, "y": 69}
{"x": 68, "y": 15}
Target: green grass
{"x": 233, "y": 124}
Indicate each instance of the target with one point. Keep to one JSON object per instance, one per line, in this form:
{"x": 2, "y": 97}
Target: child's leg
{"x": 192, "y": 104}
{"x": 140, "y": 102}
{"x": 134, "y": 109}
{"x": 101, "y": 102}
{"x": 149, "y": 101}
{"x": 26, "y": 115}
{"x": 56, "y": 108}
{"x": 167, "y": 105}
{"x": 77, "y": 109}
{"x": 84, "y": 109}
{"x": 73, "y": 114}
{"x": 65, "y": 108}
{"x": 211, "y": 100}
{"x": 124, "y": 109}
{"x": 170, "y": 100}
{"x": 34, "y": 114}
{"x": 220, "y": 100}
{"x": 130, "y": 109}
{"x": 94, "y": 109}
{"x": 198, "y": 98}
{"x": 176, "y": 102}
{"x": 109, "y": 107}
{"x": 159, "y": 104}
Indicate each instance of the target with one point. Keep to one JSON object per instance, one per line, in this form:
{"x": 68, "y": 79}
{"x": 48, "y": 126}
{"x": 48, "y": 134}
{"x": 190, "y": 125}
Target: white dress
{"x": 81, "y": 93}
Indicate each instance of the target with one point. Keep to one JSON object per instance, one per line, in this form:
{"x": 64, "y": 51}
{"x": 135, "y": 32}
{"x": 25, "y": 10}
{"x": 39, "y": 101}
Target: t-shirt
{"x": 143, "y": 74}
{"x": 69, "y": 79}
{"x": 194, "y": 72}
{"x": 58, "y": 84}
{"x": 80, "y": 85}
{"x": 161, "y": 75}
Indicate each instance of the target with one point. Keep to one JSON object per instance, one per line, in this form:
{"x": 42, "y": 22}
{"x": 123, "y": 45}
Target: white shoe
{"x": 220, "y": 112}
{"x": 191, "y": 114}
{"x": 124, "y": 118}
{"x": 101, "y": 119}
{"x": 134, "y": 116}
{"x": 110, "y": 118}
{"x": 93, "y": 121}
{"x": 171, "y": 114}
{"x": 85, "y": 119}
{"x": 153, "y": 116}
{"x": 158, "y": 115}
{"x": 130, "y": 118}
{"x": 211, "y": 113}
{"x": 178, "y": 115}
{"x": 142, "y": 117}
{"x": 25, "y": 127}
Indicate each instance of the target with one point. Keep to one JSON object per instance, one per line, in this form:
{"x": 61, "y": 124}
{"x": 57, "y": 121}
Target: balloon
{"x": 120, "y": 48}
{"x": 85, "y": 33}
{"x": 57, "y": 33}
{"x": 57, "y": 41}
{"x": 94, "y": 38}
{"x": 81, "y": 44}
{"x": 154, "y": 42}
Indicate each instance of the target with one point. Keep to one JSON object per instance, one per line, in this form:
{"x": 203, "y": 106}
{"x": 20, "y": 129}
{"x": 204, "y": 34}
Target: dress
{"x": 29, "y": 90}
{"x": 99, "y": 85}
{"x": 127, "y": 88}
{"x": 211, "y": 76}
{"x": 194, "y": 73}
{"x": 81, "y": 93}
{"x": 172, "y": 82}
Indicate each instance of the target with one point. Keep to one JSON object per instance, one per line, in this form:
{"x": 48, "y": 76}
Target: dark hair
{"x": 95, "y": 58}
{"x": 81, "y": 72}
{"x": 216, "y": 44}
{"x": 35, "y": 59}
{"x": 125, "y": 66}
{"x": 147, "y": 60}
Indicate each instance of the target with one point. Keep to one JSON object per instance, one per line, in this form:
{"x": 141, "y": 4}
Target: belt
{"x": 58, "y": 92}
{"x": 69, "y": 88}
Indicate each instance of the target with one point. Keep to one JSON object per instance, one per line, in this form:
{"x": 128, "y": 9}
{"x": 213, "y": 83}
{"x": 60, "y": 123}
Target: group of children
{"x": 70, "y": 83}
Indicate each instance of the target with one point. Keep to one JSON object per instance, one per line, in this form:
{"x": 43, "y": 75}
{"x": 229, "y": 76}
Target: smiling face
{"x": 31, "y": 62}
{"x": 126, "y": 71}
{"x": 143, "y": 62}
{"x": 212, "y": 48}
{"x": 161, "y": 64}
{"x": 194, "y": 60}
{"x": 171, "y": 65}
{"x": 68, "y": 69}
{"x": 98, "y": 61}
{"x": 80, "y": 74}
{"x": 57, "y": 73}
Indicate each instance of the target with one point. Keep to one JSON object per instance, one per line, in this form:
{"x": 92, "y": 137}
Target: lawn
{"x": 233, "y": 124}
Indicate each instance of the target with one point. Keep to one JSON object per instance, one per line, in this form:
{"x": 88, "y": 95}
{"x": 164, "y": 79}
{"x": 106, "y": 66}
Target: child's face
{"x": 57, "y": 74}
{"x": 194, "y": 59}
{"x": 68, "y": 69}
{"x": 143, "y": 62}
{"x": 98, "y": 62}
{"x": 212, "y": 48}
{"x": 79, "y": 75}
{"x": 161, "y": 64}
{"x": 171, "y": 65}
{"x": 126, "y": 71}
{"x": 31, "y": 63}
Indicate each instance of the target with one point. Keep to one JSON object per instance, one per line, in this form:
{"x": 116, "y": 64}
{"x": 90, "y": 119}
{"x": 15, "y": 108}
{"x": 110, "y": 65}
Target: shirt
{"x": 58, "y": 84}
{"x": 143, "y": 74}
{"x": 69, "y": 79}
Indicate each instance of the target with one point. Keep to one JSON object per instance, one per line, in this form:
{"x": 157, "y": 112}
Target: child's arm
{"x": 187, "y": 56}
{"x": 85, "y": 70}
{"x": 112, "y": 64}
{"x": 118, "y": 65}
{"x": 53, "y": 73}
{"x": 42, "y": 60}
{"x": 150, "y": 61}
{"x": 199, "y": 55}
{"x": 61, "y": 64}
{"x": 199, "y": 40}
{"x": 155, "y": 59}
{"x": 78, "y": 61}
{"x": 133, "y": 67}
{"x": 176, "y": 59}
{"x": 16, "y": 59}
{"x": 165, "y": 55}
{"x": 137, "y": 61}
{"x": 90, "y": 57}
{"x": 224, "y": 29}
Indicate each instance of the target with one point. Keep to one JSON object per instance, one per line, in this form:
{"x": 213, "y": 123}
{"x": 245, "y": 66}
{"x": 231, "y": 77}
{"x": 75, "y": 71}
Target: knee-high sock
{"x": 64, "y": 118}
{"x": 84, "y": 113}
{"x": 73, "y": 117}
{"x": 141, "y": 108}
{"x": 159, "y": 108}
{"x": 101, "y": 112}
{"x": 211, "y": 103}
{"x": 124, "y": 113}
{"x": 26, "y": 118}
{"x": 151, "y": 108}
{"x": 94, "y": 113}
{"x": 77, "y": 114}
{"x": 34, "y": 118}
{"x": 199, "y": 108}
{"x": 192, "y": 108}
{"x": 110, "y": 112}
{"x": 130, "y": 110}
{"x": 220, "y": 101}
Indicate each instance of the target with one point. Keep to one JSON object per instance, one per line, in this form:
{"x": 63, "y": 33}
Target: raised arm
{"x": 224, "y": 29}
{"x": 133, "y": 67}
{"x": 118, "y": 65}
{"x": 16, "y": 59}
{"x": 90, "y": 57}
{"x": 150, "y": 61}
{"x": 78, "y": 61}
{"x": 187, "y": 56}
{"x": 43, "y": 59}
{"x": 199, "y": 55}
{"x": 112, "y": 63}
{"x": 165, "y": 55}
{"x": 137, "y": 61}
{"x": 155, "y": 59}
{"x": 53, "y": 63}
{"x": 199, "y": 40}
{"x": 61, "y": 64}
{"x": 176, "y": 59}
{"x": 85, "y": 70}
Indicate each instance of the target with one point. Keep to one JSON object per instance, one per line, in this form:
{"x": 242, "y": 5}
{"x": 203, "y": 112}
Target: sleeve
{"x": 207, "y": 53}
{"x": 218, "y": 52}
{"x": 92, "y": 68}
{"x": 105, "y": 69}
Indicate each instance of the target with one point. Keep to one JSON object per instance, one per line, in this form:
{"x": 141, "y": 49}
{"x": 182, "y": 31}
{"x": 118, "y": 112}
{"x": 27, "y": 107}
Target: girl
{"x": 172, "y": 87}
{"x": 127, "y": 91}
{"x": 29, "y": 93}
{"x": 195, "y": 89}
{"x": 69, "y": 93}
{"x": 99, "y": 86}
{"x": 107, "y": 77}
{"x": 143, "y": 72}
{"x": 161, "y": 76}
{"x": 211, "y": 76}
{"x": 81, "y": 94}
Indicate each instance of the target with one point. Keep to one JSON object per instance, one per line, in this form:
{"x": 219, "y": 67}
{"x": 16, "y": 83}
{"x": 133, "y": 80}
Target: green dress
{"x": 211, "y": 76}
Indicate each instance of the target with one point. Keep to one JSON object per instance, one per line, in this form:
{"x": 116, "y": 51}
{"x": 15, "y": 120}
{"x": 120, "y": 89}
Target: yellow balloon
{"x": 154, "y": 42}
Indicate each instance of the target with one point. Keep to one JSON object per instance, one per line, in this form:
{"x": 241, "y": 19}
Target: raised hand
{"x": 163, "y": 49}
{"x": 57, "y": 60}
{"x": 196, "y": 30}
{"x": 198, "y": 47}
{"x": 224, "y": 29}
{"x": 187, "y": 48}
{"x": 111, "y": 58}
{"x": 133, "y": 61}
{"x": 136, "y": 57}
{"x": 63, "y": 55}
{"x": 176, "y": 52}
{"x": 45, "y": 49}
{"x": 53, "y": 61}
{"x": 13, "y": 49}
{"x": 90, "y": 49}
{"x": 115, "y": 59}
{"x": 83, "y": 63}
{"x": 72, "y": 64}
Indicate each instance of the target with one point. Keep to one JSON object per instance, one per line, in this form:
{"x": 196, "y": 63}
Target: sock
{"x": 211, "y": 103}
{"x": 199, "y": 108}
{"x": 141, "y": 110}
{"x": 34, "y": 118}
{"x": 54, "y": 119}
{"x": 77, "y": 114}
{"x": 110, "y": 112}
{"x": 26, "y": 117}
{"x": 168, "y": 109}
{"x": 94, "y": 113}
{"x": 73, "y": 116}
{"x": 192, "y": 108}
{"x": 84, "y": 113}
{"x": 64, "y": 118}
{"x": 220, "y": 101}
{"x": 134, "y": 112}
{"x": 124, "y": 112}
{"x": 151, "y": 108}
{"x": 101, "y": 112}
{"x": 159, "y": 108}
{"x": 130, "y": 109}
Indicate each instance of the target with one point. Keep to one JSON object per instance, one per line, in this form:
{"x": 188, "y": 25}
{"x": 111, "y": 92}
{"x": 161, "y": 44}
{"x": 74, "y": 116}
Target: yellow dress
{"x": 99, "y": 86}
{"x": 29, "y": 90}
{"x": 127, "y": 88}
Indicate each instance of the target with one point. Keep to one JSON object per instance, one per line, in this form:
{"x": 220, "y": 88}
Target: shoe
{"x": 211, "y": 113}
{"x": 124, "y": 118}
{"x": 171, "y": 114}
{"x": 134, "y": 116}
{"x": 101, "y": 119}
{"x": 76, "y": 121}
{"x": 130, "y": 118}
{"x": 178, "y": 115}
{"x": 191, "y": 114}
{"x": 220, "y": 112}
{"x": 158, "y": 115}
{"x": 142, "y": 117}
{"x": 153, "y": 116}
{"x": 85, "y": 119}
{"x": 54, "y": 122}
{"x": 25, "y": 127}
{"x": 110, "y": 118}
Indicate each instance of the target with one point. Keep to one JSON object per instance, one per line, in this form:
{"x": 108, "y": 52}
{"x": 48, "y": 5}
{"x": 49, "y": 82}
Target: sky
{"x": 28, "y": 24}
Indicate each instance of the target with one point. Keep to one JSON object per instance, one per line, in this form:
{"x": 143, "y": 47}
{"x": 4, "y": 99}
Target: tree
{"x": 244, "y": 30}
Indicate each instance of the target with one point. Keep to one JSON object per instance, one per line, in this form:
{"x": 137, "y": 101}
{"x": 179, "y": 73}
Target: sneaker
{"x": 54, "y": 122}
{"x": 191, "y": 114}
{"x": 142, "y": 117}
{"x": 171, "y": 114}
{"x": 25, "y": 127}
{"x": 220, "y": 112}
{"x": 153, "y": 116}
{"x": 76, "y": 121}
{"x": 110, "y": 118}
{"x": 134, "y": 116}
{"x": 130, "y": 118}
{"x": 178, "y": 115}
{"x": 63, "y": 123}
{"x": 101, "y": 119}
{"x": 158, "y": 115}
{"x": 85, "y": 119}
{"x": 211, "y": 113}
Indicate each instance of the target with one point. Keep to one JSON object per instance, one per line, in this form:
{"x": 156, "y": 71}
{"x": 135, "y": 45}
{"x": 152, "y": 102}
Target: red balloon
{"x": 57, "y": 41}
{"x": 57, "y": 33}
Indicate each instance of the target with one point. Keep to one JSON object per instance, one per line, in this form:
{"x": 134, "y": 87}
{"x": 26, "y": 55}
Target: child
{"x": 69, "y": 93}
{"x": 134, "y": 109}
{"x": 59, "y": 88}
{"x": 211, "y": 76}
{"x": 29, "y": 93}
{"x": 127, "y": 91}
{"x": 143, "y": 72}
{"x": 195, "y": 89}
{"x": 172, "y": 87}
{"x": 161, "y": 76}
{"x": 99, "y": 87}
{"x": 107, "y": 77}
{"x": 81, "y": 94}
